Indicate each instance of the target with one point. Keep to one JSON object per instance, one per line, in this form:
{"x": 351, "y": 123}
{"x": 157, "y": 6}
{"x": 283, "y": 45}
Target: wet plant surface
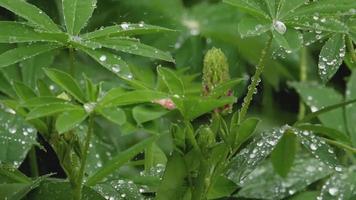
{"x": 177, "y": 99}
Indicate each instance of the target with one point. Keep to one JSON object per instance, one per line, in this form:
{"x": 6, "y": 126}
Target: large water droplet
{"x": 279, "y": 26}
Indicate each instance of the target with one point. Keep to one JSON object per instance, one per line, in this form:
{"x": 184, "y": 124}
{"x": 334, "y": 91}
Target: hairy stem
{"x": 33, "y": 162}
{"x": 302, "y": 78}
{"x": 254, "y": 81}
{"x": 341, "y": 145}
{"x": 77, "y": 195}
{"x": 351, "y": 48}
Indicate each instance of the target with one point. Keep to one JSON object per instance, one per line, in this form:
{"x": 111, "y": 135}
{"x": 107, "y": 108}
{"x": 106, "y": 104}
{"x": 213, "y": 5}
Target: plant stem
{"x": 77, "y": 194}
{"x": 254, "y": 81}
{"x": 33, "y": 162}
{"x": 351, "y": 48}
{"x": 341, "y": 145}
{"x": 72, "y": 61}
{"x": 303, "y": 78}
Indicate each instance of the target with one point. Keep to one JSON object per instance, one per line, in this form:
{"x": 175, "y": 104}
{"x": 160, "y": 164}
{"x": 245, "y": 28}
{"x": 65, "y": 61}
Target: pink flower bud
{"x": 166, "y": 103}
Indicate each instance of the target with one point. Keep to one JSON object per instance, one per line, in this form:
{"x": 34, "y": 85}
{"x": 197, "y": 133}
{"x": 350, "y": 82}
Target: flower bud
{"x": 215, "y": 71}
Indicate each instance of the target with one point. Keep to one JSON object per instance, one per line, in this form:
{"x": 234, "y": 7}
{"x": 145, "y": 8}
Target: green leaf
{"x": 50, "y": 109}
{"x": 119, "y": 189}
{"x": 69, "y": 119}
{"x": 43, "y": 88}
{"x": 222, "y": 187}
{"x": 331, "y": 57}
{"x": 132, "y": 46}
{"x": 31, "y": 13}
{"x": 318, "y": 148}
{"x": 264, "y": 183}
{"x": 8, "y": 174}
{"x": 117, "y": 98}
{"x": 340, "y": 186}
{"x": 6, "y": 87}
{"x": 290, "y": 41}
{"x": 251, "y": 7}
{"x": 110, "y": 61}
{"x": 245, "y": 130}
{"x": 221, "y": 89}
{"x": 325, "y": 7}
{"x": 249, "y": 27}
{"x": 125, "y": 29}
{"x": 307, "y": 195}
{"x": 287, "y": 6}
{"x": 22, "y": 53}
{"x": 171, "y": 80}
{"x": 119, "y": 160}
{"x": 23, "y": 92}
{"x": 16, "y": 139}
{"x": 116, "y": 115}
{"x": 173, "y": 183}
{"x": 32, "y": 69}
{"x": 318, "y": 97}
{"x": 284, "y": 153}
{"x": 350, "y": 110}
{"x": 145, "y": 113}
{"x": 325, "y": 131}
{"x": 253, "y": 154}
{"x": 67, "y": 82}
{"x": 16, "y": 32}
{"x": 76, "y": 14}
{"x": 193, "y": 107}
{"x": 42, "y": 101}
{"x": 62, "y": 190}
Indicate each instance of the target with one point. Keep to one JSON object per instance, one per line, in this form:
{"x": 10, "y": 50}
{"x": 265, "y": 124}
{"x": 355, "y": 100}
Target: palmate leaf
{"x": 76, "y": 14}
{"x": 17, "y": 32}
{"x": 264, "y": 183}
{"x": 253, "y": 154}
{"x": 286, "y": 7}
{"x": 17, "y": 138}
{"x": 133, "y": 46}
{"x": 250, "y": 26}
{"x": 22, "y": 53}
{"x": 31, "y": 13}
{"x": 125, "y": 29}
{"x": 331, "y": 56}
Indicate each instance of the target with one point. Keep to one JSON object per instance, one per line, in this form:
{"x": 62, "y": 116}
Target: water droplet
{"x": 333, "y": 191}
{"x": 89, "y": 107}
{"x": 313, "y": 147}
{"x": 125, "y": 26}
{"x": 103, "y": 58}
{"x": 338, "y": 169}
{"x": 279, "y": 26}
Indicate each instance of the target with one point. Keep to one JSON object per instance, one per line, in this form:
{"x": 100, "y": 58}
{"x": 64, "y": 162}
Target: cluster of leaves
{"x": 153, "y": 132}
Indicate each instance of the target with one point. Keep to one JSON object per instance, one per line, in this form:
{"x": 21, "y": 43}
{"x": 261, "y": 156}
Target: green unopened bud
{"x": 215, "y": 71}
{"x": 206, "y": 137}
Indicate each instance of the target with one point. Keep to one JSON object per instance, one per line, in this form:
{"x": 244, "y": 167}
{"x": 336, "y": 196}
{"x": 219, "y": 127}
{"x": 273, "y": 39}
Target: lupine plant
{"x": 88, "y": 111}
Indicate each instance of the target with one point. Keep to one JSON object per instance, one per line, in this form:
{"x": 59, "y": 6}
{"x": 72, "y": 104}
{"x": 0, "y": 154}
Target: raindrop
{"x": 103, "y": 58}
{"x": 279, "y": 26}
{"x": 333, "y": 191}
{"x": 125, "y": 26}
{"x": 313, "y": 147}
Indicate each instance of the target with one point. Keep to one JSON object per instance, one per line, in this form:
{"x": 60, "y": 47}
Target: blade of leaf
{"x": 30, "y": 13}
{"x": 350, "y": 110}
{"x": 67, "y": 82}
{"x": 18, "y": 54}
{"x": 134, "y": 47}
{"x": 119, "y": 160}
{"x": 69, "y": 119}
{"x": 125, "y": 30}
{"x": 51, "y": 109}
{"x": 16, "y": 32}
{"x": 249, "y": 7}
{"x": 116, "y": 115}
{"x": 331, "y": 57}
{"x": 171, "y": 80}
{"x": 76, "y": 14}
{"x": 23, "y": 92}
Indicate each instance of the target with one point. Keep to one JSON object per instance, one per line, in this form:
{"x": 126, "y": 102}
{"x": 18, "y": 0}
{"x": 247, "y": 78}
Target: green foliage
{"x": 177, "y": 110}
